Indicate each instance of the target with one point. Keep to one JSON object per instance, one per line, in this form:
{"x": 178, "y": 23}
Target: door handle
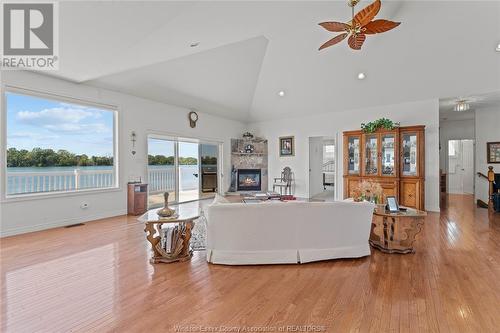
{"x": 195, "y": 174}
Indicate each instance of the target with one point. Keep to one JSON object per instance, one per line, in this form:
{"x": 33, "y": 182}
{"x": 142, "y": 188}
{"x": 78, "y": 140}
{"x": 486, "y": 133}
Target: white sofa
{"x": 287, "y": 232}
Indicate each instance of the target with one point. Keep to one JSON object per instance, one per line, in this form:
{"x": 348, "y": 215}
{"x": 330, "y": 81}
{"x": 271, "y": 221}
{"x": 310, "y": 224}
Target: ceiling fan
{"x": 362, "y": 24}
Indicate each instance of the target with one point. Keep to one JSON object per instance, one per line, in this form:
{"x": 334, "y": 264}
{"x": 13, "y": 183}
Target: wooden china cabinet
{"x": 393, "y": 158}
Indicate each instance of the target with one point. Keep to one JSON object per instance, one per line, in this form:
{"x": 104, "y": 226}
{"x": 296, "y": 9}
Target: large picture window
{"x": 57, "y": 146}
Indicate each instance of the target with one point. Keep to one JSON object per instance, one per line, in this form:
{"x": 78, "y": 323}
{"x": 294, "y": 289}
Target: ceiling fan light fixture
{"x": 361, "y": 76}
{"x": 194, "y": 44}
{"x": 361, "y": 25}
{"x": 281, "y": 93}
{"x": 461, "y": 106}
{"x": 498, "y": 47}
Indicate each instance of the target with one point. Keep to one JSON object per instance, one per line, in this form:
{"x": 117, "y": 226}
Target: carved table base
{"x": 153, "y": 230}
{"x": 395, "y": 233}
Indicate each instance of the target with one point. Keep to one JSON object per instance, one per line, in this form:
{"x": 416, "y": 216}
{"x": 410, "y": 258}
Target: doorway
{"x": 187, "y": 169}
{"x": 461, "y": 166}
{"x": 322, "y": 166}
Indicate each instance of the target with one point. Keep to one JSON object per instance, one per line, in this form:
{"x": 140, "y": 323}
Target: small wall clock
{"x": 193, "y": 118}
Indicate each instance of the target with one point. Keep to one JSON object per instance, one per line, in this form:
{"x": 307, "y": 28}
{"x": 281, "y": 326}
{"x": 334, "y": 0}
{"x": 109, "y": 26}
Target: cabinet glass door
{"x": 410, "y": 156}
{"x": 388, "y": 155}
{"x": 354, "y": 150}
{"x": 371, "y": 155}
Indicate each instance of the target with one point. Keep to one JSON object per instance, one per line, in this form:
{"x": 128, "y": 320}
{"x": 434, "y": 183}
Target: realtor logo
{"x": 29, "y": 36}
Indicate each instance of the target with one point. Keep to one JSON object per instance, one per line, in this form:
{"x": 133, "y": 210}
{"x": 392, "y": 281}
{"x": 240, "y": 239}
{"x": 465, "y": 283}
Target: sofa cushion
{"x": 218, "y": 199}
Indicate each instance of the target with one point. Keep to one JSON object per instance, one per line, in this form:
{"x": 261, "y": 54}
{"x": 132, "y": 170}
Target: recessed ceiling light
{"x": 195, "y": 44}
{"x": 361, "y": 76}
{"x": 498, "y": 48}
{"x": 281, "y": 93}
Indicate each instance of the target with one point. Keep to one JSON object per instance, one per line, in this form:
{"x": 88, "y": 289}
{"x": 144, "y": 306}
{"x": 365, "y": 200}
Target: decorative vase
{"x": 381, "y": 208}
{"x": 165, "y": 211}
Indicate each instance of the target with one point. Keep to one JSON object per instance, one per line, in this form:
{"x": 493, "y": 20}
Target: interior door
{"x": 461, "y": 166}
{"x": 468, "y": 166}
{"x": 315, "y": 166}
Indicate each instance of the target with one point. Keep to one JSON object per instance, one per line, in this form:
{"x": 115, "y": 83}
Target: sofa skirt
{"x": 284, "y": 256}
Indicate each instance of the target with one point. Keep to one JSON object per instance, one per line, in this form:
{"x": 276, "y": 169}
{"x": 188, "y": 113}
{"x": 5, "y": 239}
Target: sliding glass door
{"x": 162, "y": 170}
{"x": 209, "y": 170}
{"x": 187, "y": 169}
{"x": 189, "y": 174}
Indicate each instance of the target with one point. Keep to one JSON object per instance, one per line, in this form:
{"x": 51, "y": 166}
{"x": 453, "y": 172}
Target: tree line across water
{"x": 39, "y": 157}
{"x": 169, "y": 160}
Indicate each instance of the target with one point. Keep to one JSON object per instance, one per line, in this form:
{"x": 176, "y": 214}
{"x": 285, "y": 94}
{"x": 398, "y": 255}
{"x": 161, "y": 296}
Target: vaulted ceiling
{"x": 249, "y": 51}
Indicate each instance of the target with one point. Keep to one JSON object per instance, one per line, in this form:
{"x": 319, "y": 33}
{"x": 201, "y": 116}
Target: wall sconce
{"x": 133, "y": 138}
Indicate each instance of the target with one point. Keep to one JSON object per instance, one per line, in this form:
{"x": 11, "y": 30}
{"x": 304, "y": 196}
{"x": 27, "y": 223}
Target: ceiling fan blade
{"x": 333, "y": 41}
{"x": 367, "y": 14}
{"x": 379, "y": 26}
{"x": 356, "y": 41}
{"x": 334, "y": 26}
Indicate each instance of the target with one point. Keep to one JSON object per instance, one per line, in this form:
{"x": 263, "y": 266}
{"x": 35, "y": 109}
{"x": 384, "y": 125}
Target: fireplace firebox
{"x": 249, "y": 180}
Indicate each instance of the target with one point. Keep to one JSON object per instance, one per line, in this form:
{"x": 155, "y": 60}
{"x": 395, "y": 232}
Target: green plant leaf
{"x": 373, "y": 126}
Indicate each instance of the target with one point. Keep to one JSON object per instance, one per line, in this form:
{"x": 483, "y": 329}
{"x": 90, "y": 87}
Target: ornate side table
{"x": 153, "y": 225}
{"x": 395, "y": 232}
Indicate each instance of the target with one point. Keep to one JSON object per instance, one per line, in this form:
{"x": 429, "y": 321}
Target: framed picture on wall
{"x": 287, "y": 146}
{"x": 493, "y": 151}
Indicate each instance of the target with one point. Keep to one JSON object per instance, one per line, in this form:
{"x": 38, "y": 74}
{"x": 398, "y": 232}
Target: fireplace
{"x": 249, "y": 180}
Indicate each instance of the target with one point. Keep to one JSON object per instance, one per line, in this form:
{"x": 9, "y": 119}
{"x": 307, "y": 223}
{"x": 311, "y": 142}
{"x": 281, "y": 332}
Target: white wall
{"x": 333, "y": 124}
{"x": 135, "y": 114}
{"x": 487, "y": 130}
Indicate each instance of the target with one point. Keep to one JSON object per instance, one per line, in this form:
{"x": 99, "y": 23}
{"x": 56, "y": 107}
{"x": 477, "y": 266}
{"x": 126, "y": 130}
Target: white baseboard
{"x": 433, "y": 209}
{"x": 61, "y": 223}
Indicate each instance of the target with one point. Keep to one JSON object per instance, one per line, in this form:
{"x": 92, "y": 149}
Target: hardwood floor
{"x": 97, "y": 278}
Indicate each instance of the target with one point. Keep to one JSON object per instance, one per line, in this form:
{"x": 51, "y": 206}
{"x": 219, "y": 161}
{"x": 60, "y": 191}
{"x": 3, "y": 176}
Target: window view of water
{"x": 47, "y": 137}
{"x": 187, "y": 174}
{"x": 22, "y": 180}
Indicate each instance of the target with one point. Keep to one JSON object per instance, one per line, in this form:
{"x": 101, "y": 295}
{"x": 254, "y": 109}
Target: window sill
{"x": 53, "y": 195}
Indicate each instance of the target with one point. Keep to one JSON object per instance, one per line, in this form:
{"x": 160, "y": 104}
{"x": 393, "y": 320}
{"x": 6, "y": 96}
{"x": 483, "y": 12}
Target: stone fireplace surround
{"x": 240, "y": 159}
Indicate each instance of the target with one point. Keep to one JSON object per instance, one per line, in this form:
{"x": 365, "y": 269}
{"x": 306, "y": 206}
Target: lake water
{"x": 23, "y": 185}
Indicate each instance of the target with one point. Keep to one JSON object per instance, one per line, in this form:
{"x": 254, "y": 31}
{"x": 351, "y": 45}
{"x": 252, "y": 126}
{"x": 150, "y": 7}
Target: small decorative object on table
{"x": 165, "y": 211}
{"x": 392, "y": 204}
{"x": 380, "y": 208}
